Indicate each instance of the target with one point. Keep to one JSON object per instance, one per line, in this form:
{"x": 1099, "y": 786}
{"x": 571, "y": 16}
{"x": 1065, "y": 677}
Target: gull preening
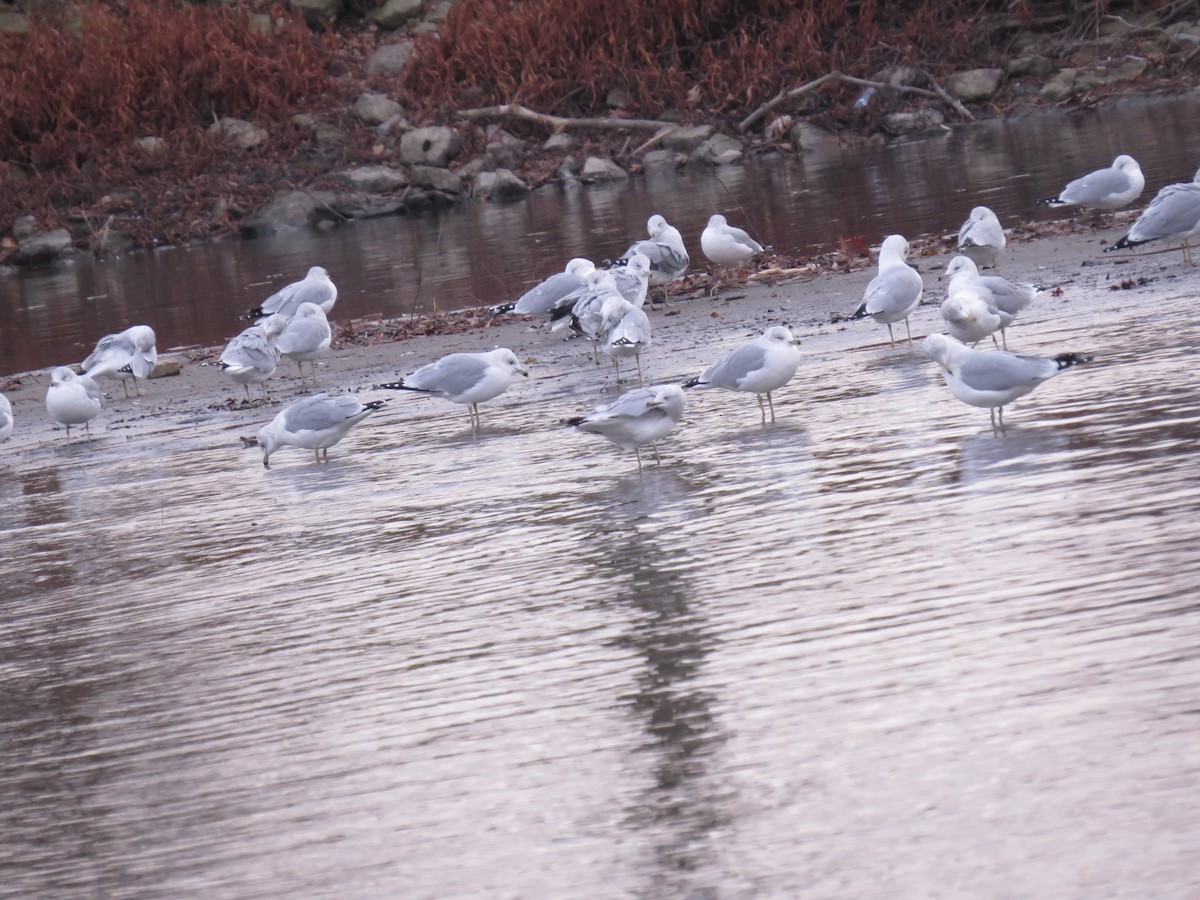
{"x": 626, "y": 333}
{"x": 6, "y": 418}
{"x": 467, "y": 378}
{"x": 637, "y": 418}
{"x": 315, "y": 287}
{"x": 73, "y": 399}
{"x": 128, "y": 354}
{"x": 315, "y": 423}
{"x": 633, "y": 279}
{"x": 981, "y": 237}
{"x": 1173, "y": 214}
{"x": 764, "y": 365}
{"x": 725, "y": 245}
{"x": 970, "y": 315}
{"x": 895, "y": 292}
{"x": 250, "y": 358}
{"x": 992, "y": 379}
{"x": 1007, "y": 297}
{"x": 540, "y": 299}
{"x": 1111, "y": 188}
{"x": 583, "y": 311}
{"x": 302, "y": 337}
{"x": 665, "y": 250}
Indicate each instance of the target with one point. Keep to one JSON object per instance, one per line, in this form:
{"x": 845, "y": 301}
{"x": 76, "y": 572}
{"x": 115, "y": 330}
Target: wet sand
{"x": 201, "y": 405}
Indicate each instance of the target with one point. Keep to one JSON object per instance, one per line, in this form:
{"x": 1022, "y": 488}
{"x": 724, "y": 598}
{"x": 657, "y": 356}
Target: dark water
{"x": 488, "y": 253}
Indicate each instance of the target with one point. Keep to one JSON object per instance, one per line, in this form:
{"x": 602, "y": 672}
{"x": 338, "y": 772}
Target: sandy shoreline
{"x": 688, "y": 335}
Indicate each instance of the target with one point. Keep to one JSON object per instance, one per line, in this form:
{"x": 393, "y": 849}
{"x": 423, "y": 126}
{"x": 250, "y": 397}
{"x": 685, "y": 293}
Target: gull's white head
{"x": 780, "y": 334}
{"x": 142, "y": 337}
{"x": 273, "y": 325}
{"x": 268, "y": 442}
{"x": 317, "y": 272}
{"x": 669, "y": 398}
{"x": 63, "y": 375}
{"x": 655, "y": 225}
{"x": 962, "y": 265}
{"x": 957, "y": 308}
{"x": 638, "y": 265}
{"x": 580, "y": 266}
{"x": 1126, "y": 164}
{"x": 716, "y": 220}
{"x": 894, "y": 247}
{"x": 982, "y": 214}
{"x": 940, "y": 348}
{"x": 506, "y": 359}
{"x": 309, "y": 311}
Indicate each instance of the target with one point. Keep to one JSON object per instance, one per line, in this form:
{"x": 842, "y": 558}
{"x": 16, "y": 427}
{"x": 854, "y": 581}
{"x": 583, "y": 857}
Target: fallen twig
{"x": 560, "y": 123}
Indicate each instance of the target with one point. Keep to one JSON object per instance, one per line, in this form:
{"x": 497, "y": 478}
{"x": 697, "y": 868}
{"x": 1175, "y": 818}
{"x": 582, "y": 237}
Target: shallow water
{"x": 872, "y": 650}
{"x": 489, "y": 253}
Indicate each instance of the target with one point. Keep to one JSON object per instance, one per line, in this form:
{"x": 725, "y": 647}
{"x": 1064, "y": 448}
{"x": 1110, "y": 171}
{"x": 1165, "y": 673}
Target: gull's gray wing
{"x": 986, "y": 233}
{"x": 631, "y": 405}
{"x": 993, "y": 370}
{"x": 303, "y": 335}
{"x": 1174, "y": 211}
{"x": 112, "y": 352}
{"x": 729, "y": 371}
{"x": 251, "y": 348}
{"x": 1095, "y": 186}
{"x": 320, "y": 412}
{"x": 893, "y": 289}
{"x": 544, "y": 297}
{"x": 743, "y": 238}
{"x": 451, "y": 374}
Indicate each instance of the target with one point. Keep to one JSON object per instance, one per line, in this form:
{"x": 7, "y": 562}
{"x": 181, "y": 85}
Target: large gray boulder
{"x": 374, "y": 179}
{"x": 974, "y": 85}
{"x": 1020, "y": 66}
{"x": 1069, "y": 82}
{"x": 807, "y": 137}
{"x": 439, "y": 179}
{"x": 596, "y": 169}
{"x": 909, "y": 122}
{"x": 41, "y": 247}
{"x": 390, "y": 59}
{"x": 687, "y": 138}
{"x": 500, "y": 185}
{"x": 375, "y": 109}
{"x": 237, "y": 133}
{"x": 432, "y": 146}
{"x": 290, "y": 209}
{"x": 718, "y": 150}
{"x": 396, "y": 13}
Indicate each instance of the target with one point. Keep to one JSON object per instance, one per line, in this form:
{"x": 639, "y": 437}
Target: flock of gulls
{"x": 606, "y": 307}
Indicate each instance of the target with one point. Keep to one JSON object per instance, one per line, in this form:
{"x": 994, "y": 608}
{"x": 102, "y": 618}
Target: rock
{"x": 396, "y": 13}
{"x": 657, "y": 158}
{"x": 438, "y": 179}
{"x": 154, "y": 147}
{"x": 261, "y": 23}
{"x": 24, "y": 227}
{"x": 909, "y": 122}
{"x": 329, "y": 135}
{"x": 1130, "y": 70}
{"x": 470, "y": 170}
{"x": 432, "y": 146}
{"x": 1069, "y": 82}
{"x": 318, "y": 13}
{"x": 974, "y": 85}
{"x": 363, "y": 206}
{"x": 806, "y": 137}
{"x": 41, "y": 247}
{"x": 718, "y": 150}
{"x": 900, "y": 76}
{"x": 1020, "y": 66}
{"x": 505, "y": 155}
{"x": 166, "y": 366}
{"x": 237, "y": 133}
{"x": 687, "y": 138}
{"x": 439, "y": 11}
{"x": 375, "y": 109}
{"x": 397, "y": 124}
{"x": 596, "y": 169}
{"x": 616, "y": 99}
{"x": 500, "y": 185}
{"x": 289, "y": 209}
{"x": 559, "y": 141}
{"x": 374, "y": 179}
{"x": 390, "y": 59}
{"x": 14, "y": 22}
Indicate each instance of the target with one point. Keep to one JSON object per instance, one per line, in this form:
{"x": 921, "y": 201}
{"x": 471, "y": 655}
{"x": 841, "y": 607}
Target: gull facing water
{"x": 764, "y": 365}
{"x": 315, "y": 423}
{"x": 981, "y": 237}
{"x": 637, "y": 418}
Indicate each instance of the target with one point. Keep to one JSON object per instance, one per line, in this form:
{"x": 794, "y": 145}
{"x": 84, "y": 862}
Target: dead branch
{"x": 939, "y": 93}
{"x": 559, "y": 123}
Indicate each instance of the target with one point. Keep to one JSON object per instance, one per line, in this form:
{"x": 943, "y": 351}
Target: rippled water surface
{"x": 872, "y": 650}
{"x": 488, "y": 253}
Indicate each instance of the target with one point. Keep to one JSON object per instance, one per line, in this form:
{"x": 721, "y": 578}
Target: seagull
{"x": 250, "y": 358}
{"x": 993, "y": 378}
{"x": 542, "y": 298}
{"x": 316, "y": 287}
{"x": 302, "y": 337}
{"x": 665, "y": 249}
{"x": 131, "y": 353}
{"x": 73, "y": 399}
{"x": 626, "y": 333}
{"x": 1174, "y": 213}
{"x": 315, "y": 423}
{"x": 764, "y": 365}
{"x": 727, "y": 246}
{"x": 584, "y": 313}
{"x": 6, "y": 418}
{"x": 1110, "y": 188}
{"x": 633, "y": 279}
{"x": 981, "y": 237}
{"x": 971, "y": 315}
{"x": 895, "y": 292}
{"x": 469, "y": 378}
{"x": 637, "y": 418}
{"x": 1008, "y": 297}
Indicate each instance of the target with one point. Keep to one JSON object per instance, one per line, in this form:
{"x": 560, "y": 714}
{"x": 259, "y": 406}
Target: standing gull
{"x": 637, "y": 418}
{"x": 316, "y": 287}
{"x": 971, "y": 315}
{"x": 72, "y": 399}
{"x": 584, "y": 311}
{"x": 895, "y": 292}
{"x": 130, "y": 353}
{"x": 725, "y": 245}
{"x": 315, "y": 423}
{"x": 1008, "y": 297}
{"x": 992, "y": 379}
{"x": 633, "y": 279}
{"x": 626, "y": 333}
{"x": 981, "y": 237}
{"x": 1174, "y": 214}
{"x": 6, "y": 418}
{"x": 543, "y": 297}
{"x": 764, "y": 365}
{"x": 1110, "y": 188}
{"x": 303, "y": 337}
{"x": 250, "y": 358}
{"x": 665, "y": 249}
{"x": 469, "y": 378}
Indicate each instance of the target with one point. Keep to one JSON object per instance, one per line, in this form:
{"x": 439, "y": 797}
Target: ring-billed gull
{"x": 895, "y": 292}
{"x": 764, "y": 365}
{"x": 1173, "y": 214}
{"x": 981, "y": 237}
{"x": 970, "y": 315}
{"x": 1009, "y": 297}
{"x": 992, "y": 379}
{"x": 626, "y": 333}
{"x": 469, "y": 378}
{"x": 725, "y": 245}
{"x": 315, "y": 423}
{"x": 665, "y": 249}
{"x": 250, "y": 358}
{"x": 130, "y": 353}
{"x": 637, "y": 418}
{"x": 6, "y": 418}
{"x": 1110, "y": 188}
{"x": 583, "y": 312}
{"x": 73, "y": 399}
{"x": 315, "y": 287}
{"x": 543, "y": 297}
{"x": 633, "y": 279}
{"x": 303, "y": 337}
